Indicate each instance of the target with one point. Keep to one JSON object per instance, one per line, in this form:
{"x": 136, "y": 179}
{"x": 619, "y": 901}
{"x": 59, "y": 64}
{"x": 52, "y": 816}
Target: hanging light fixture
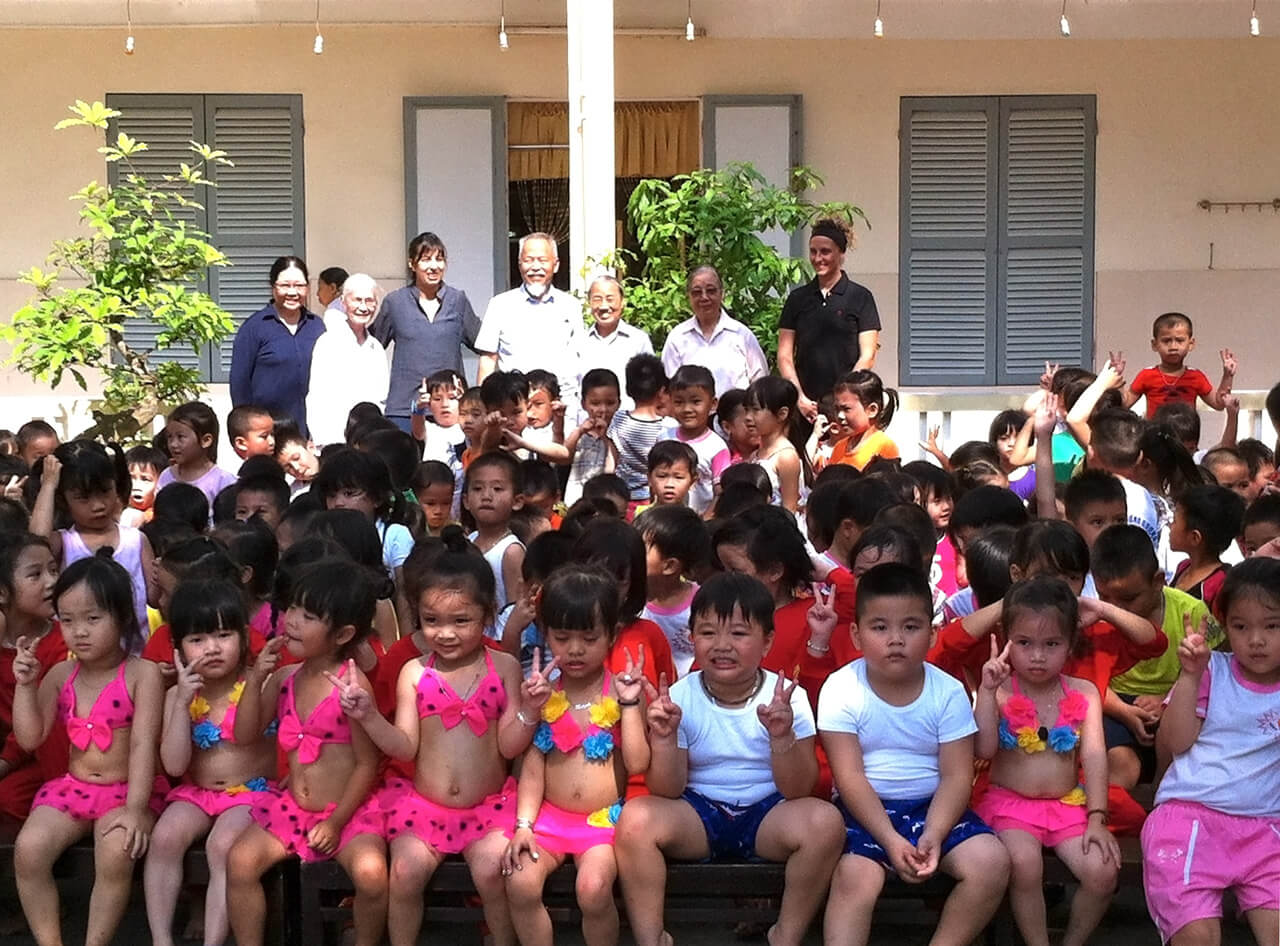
{"x": 878, "y": 27}
{"x": 1254, "y": 28}
{"x": 318, "y": 46}
{"x": 503, "y": 43}
{"x": 1063, "y": 23}
{"x": 128, "y": 40}
{"x": 690, "y": 34}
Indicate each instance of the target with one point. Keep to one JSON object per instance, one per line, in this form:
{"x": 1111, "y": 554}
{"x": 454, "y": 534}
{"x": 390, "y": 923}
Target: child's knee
{"x": 636, "y": 824}
{"x": 857, "y": 878}
{"x": 408, "y": 875}
{"x": 983, "y": 859}
{"x": 594, "y": 891}
{"x": 524, "y": 888}
{"x": 369, "y": 875}
{"x": 244, "y": 860}
{"x": 166, "y": 844}
{"x": 1098, "y": 876}
{"x": 218, "y": 845}
{"x": 32, "y": 854}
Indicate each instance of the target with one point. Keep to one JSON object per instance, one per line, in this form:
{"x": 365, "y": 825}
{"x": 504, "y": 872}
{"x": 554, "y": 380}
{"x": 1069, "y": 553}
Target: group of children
{"x": 732, "y": 643}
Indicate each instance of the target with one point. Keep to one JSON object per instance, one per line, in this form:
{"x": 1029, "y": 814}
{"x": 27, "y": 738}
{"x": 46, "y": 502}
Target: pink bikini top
{"x": 326, "y": 724}
{"x": 437, "y": 698}
{"x": 113, "y": 709}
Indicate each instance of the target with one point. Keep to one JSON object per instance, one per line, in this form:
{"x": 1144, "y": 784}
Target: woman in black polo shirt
{"x": 830, "y": 325}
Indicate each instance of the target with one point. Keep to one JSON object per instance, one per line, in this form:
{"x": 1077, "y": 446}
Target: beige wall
{"x": 1178, "y": 121}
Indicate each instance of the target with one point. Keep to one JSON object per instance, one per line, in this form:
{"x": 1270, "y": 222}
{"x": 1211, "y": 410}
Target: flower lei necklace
{"x": 1020, "y": 726}
{"x": 559, "y": 730}
{"x": 204, "y": 732}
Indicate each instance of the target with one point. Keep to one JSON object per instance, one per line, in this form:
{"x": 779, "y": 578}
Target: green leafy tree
{"x": 716, "y": 218}
{"x": 139, "y": 260}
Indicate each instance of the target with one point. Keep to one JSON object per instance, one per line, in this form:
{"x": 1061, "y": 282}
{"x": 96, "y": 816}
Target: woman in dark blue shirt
{"x": 271, "y": 357}
{"x": 429, "y": 323}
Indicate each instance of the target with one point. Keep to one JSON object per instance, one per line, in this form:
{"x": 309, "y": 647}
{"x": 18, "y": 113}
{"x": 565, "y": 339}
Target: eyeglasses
{"x": 699, "y": 291}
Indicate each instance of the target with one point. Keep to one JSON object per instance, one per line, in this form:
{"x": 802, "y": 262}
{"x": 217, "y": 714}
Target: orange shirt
{"x": 875, "y": 444}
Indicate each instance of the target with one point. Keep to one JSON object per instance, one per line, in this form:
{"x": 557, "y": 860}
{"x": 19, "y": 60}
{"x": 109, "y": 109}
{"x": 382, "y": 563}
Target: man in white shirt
{"x": 348, "y": 365}
{"x": 610, "y": 342}
{"x": 534, "y": 325}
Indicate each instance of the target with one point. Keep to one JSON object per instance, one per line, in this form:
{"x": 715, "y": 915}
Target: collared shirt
{"x": 528, "y": 332}
{"x": 827, "y": 329}
{"x": 344, "y": 372}
{"x": 612, "y": 351}
{"x": 732, "y": 354}
{"x": 271, "y": 366}
{"x": 422, "y": 346}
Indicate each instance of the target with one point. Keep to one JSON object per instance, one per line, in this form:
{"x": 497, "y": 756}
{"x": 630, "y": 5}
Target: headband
{"x": 828, "y": 229}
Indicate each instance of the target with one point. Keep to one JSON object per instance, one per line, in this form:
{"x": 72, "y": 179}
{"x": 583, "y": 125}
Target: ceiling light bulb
{"x": 503, "y": 43}
{"x": 1254, "y": 27}
{"x": 1065, "y": 25}
{"x": 318, "y": 48}
{"x": 128, "y": 45}
{"x": 878, "y": 29}
{"x": 689, "y": 33}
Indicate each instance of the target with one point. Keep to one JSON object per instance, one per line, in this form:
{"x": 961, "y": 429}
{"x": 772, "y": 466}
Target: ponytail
{"x": 867, "y": 387}
{"x": 774, "y": 394}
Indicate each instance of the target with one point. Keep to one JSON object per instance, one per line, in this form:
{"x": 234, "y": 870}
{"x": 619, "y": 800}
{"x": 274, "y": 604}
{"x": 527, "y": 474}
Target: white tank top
{"x": 494, "y": 558}
{"x": 129, "y": 554}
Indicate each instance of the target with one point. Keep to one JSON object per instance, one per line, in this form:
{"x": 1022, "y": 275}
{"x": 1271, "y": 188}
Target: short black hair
{"x": 986, "y": 506}
{"x": 544, "y": 555}
{"x": 892, "y": 543}
{"x": 613, "y": 545}
{"x": 539, "y": 476}
{"x": 972, "y": 450}
{"x": 724, "y": 592}
{"x": 273, "y": 487}
{"x": 339, "y": 593}
{"x": 1053, "y": 543}
{"x": 444, "y": 378}
{"x": 747, "y": 474}
{"x": 111, "y": 588}
{"x": 431, "y": 473}
{"x": 165, "y": 534}
{"x": 203, "y": 605}
{"x": 541, "y": 378}
{"x": 1121, "y": 550}
{"x": 771, "y": 538}
{"x": 398, "y": 450}
{"x": 13, "y": 516}
{"x": 1180, "y": 418}
{"x": 861, "y": 501}
{"x": 1256, "y": 577}
{"x": 502, "y": 460}
{"x": 348, "y": 468}
{"x": 732, "y": 401}
{"x": 599, "y": 378}
{"x": 935, "y": 482}
{"x": 261, "y": 465}
{"x": 1005, "y": 422}
{"x": 892, "y": 580}
{"x": 737, "y": 497}
{"x": 1088, "y": 487}
{"x": 200, "y": 557}
{"x": 1116, "y": 438}
{"x": 182, "y": 502}
{"x": 1256, "y": 453}
{"x": 1216, "y": 513}
{"x": 608, "y": 486}
{"x": 986, "y": 562}
{"x": 146, "y": 455}
{"x": 913, "y": 519}
{"x": 693, "y": 376}
{"x": 503, "y": 387}
{"x": 676, "y": 532}
{"x": 286, "y": 432}
{"x": 1266, "y": 508}
{"x": 251, "y": 545}
{"x": 646, "y": 378}
{"x": 1272, "y": 405}
{"x": 1040, "y": 594}
{"x": 333, "y": 276}
{"x": 32, "y": 430}
{"x": 670, "y": 452}
{"x": 1169, "y": 320}
{"x": 579, "y": 598}
{"x": 240, "y": 417}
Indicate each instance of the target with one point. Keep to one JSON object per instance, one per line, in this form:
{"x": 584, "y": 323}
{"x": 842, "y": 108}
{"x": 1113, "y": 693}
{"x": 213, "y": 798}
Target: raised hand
{"x": 998, "y": 669}
{"x": 1116, "y": 359}
{"x": 50, "y": 472}
{"x": 1046, "y": 416}
{"x": 1112, "y": 374}
{"x": 1046, "y": 379}
{"x": 931, "y": 442}
{"x": 13, "y": 489}
{"x": 1229, "y": 363}
{"x": 821, "y": 616}
{"x": 188, "y": 681}
{"x": 628, "y": 685}
{"x": 352, "y": 697}
{"x": 663, "y": 715}
{"x": 26, "y": 668}
{"x": 535, "y": 689}
{"x": 1193, "y": 652}
{"x": 1231, "y": 404}
{"x": 777, "y": 716}
{"x": 268, "y": 659}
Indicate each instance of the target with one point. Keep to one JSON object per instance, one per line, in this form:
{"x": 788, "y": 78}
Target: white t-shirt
{"x": 729, "y": 756}
{"x": 397, "y": 543}
{"x": 899, "y": 743}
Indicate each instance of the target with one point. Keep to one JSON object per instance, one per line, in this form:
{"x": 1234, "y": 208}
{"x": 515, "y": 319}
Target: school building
{"x": 1032, "y": 195}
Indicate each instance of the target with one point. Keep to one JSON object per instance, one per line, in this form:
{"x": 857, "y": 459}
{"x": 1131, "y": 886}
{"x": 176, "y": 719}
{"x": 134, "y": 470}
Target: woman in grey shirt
{"x": 428, "y": 321}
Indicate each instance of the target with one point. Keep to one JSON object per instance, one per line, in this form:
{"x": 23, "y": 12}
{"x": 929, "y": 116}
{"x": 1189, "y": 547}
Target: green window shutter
{"x": 1046, "y": 235}
{"x": 168, "y": 124}
{"x": 257, "y": 210}
{"x": 947, "y": 283}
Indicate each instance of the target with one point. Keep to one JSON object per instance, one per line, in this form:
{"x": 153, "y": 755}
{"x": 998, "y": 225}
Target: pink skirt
{"x": 1050, "y": 820}
{"x": 214, "y": 801}
{"x": 281, "y": 817}
{"x": 89, "y": 801}
{"x": 444, "y": 829}
{"x": 572, "y": 832}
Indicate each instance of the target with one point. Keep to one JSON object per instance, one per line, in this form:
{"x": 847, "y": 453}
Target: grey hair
{"x": 608, "y": 277}
{"x": 555, "y": 249}
{"x": 698, "y": 271}
{"x": 356, "y": 280}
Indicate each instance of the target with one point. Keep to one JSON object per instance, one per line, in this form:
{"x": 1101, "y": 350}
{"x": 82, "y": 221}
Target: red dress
{"x": 29, "y": 770}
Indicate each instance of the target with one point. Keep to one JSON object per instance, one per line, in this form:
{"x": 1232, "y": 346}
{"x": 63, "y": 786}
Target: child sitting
{"x": 731, "y": 770}
{"x": 899, "y": 735}
{"x": 634, "y": 432}
{"x": 693, "y": 399}
{"x": 1214, "y": 826}
{"x": 1172, "y": 338}
{"x": 1206, "y": 520}
{"x": 676, "y": 543}
{"x": 145, "y": 463}
{"x": 251, "y": 430}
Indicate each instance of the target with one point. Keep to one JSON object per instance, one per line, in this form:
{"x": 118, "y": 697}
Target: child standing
{"x": 634, "y": 432}
{"x": 251, "y": 430}
{"x": 1206, "y": 520}
{"x": 145, "y": 464}
{"x": 731, "y": 771}
{"x": 867, "y": 407}
{"x": 492, "y": 489}
{"x": 86, "y": 484}
{"x": 693, "y": 399}
{"x": 588, "y": 449}
{"x": 434, "y": 418}
{"x": 772, "y": 403}
{"x": 1206, "y": 834}
{"x": 191, "y": 433}
{"x": 676, "y": 542}
{"x": 899, "y": 735}
{"x": 505, "y": 395}
{"x": 327, "y": 810}
{"x": 433, "y": 488}
{"x": 109, "y": 703}
{"x": 1173, "y": 338}
{"x": 735, "y": 420}
{"x": 590, "y": 738}
{"x": 673, "y": 474}
{"x": 221, "y": 778}
{"x": 1035, "y": 800}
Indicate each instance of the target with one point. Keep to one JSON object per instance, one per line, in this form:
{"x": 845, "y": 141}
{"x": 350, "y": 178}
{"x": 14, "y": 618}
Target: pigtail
{"x": 887, "y": 408}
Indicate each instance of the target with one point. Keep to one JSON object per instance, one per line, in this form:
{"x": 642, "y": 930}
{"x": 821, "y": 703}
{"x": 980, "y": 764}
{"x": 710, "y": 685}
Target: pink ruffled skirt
{"x": 447, "y": 830}
{"x": 89, "y": 801}
{"x": 282, "y": 817}
{"x": 572, "y": 832}
{"x": 214, "y": 801}
{"x": 1050, "y": 820}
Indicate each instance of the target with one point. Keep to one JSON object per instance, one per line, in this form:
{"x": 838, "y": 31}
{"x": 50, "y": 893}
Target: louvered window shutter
{"x": 996, "y": 258}
{"x": 254, "y": 215}
{"x": 1046, "y": 235}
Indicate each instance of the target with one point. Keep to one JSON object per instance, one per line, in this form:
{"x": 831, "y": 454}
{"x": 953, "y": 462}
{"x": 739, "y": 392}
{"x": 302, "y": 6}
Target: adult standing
{"x": 534, "y": 325}
{"x": 271, "y": 355}
{"x": 428, "y": 322}
{"x": 830, "y": 325}
{"x": 348, "y": 364}
{"x": 609, "y": 342}
{"x": 713, "y": 338}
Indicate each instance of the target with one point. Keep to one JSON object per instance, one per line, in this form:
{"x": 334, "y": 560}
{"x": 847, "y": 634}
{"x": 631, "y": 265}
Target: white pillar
{"x": 591, "y": 143}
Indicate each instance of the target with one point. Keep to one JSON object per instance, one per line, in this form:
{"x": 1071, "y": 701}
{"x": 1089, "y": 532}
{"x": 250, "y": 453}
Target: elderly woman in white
{"x": 348, "y": 365}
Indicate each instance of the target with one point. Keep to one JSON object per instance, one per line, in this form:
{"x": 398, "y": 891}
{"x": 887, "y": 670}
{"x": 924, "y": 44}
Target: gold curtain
{"x": 652, "y": 139}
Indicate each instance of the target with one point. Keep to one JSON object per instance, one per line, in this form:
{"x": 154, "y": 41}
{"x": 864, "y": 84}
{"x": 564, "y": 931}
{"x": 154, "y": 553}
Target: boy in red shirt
{"x": 1172, "y": 338}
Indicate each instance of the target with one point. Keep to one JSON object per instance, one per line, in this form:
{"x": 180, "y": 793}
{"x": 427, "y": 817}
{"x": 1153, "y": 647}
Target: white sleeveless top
{"x": 129, "y": 554}
{"x": 494, "y": 558}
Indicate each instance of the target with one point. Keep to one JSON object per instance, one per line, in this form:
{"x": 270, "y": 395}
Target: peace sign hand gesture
{"x": 535, "y": 689}
{"x": 821, "y": 617}
{"x": 189, "y": 682}
{"x": 628, "y": 685}
{"x": 777, "y": 716}
{"x": 997, "y": 670}
{"x": 1193, "y": 652}
{"x": 26, "y": 668}
{"x": 352, "y": 697}
{"x": 664, "y": 715}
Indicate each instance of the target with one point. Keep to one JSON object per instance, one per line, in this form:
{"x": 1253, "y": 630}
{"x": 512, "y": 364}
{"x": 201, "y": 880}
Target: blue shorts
{"x": 907, "y": 817}
{"x": 731, "y": 829}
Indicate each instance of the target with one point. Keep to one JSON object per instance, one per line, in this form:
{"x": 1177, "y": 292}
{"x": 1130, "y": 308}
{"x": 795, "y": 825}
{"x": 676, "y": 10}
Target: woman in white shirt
{"x": 348, "y": 365}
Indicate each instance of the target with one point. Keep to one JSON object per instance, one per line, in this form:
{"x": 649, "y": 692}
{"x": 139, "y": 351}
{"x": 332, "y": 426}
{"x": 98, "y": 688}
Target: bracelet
{"x": 524, "y": 720}
{"x": 524, "y": 823}
{"x": 1106, "y": 818}
{"x": 635, "y": 702}
{"x": 790, "y": 745}
{"x": 810, "y": 645}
